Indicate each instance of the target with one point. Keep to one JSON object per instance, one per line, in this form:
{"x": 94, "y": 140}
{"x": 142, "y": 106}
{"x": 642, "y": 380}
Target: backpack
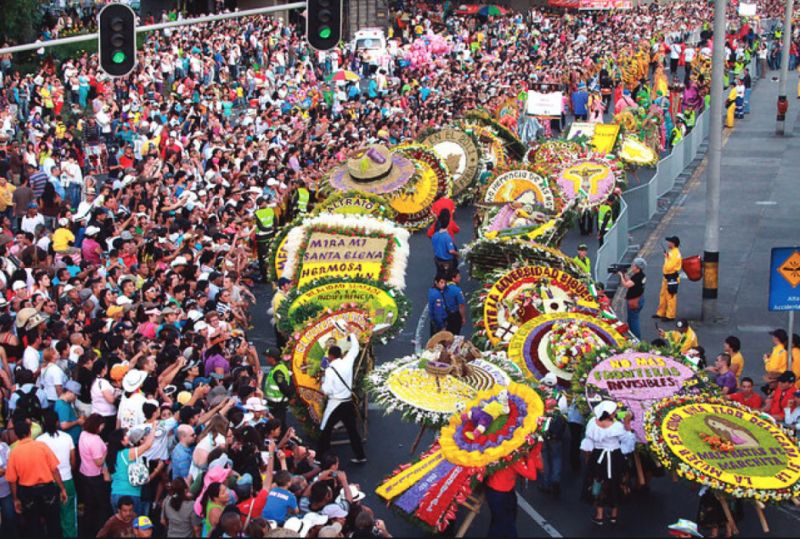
{"x": 30, "y": 404}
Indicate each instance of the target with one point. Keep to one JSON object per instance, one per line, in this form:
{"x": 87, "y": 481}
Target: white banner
{"x": 548, "y": 104}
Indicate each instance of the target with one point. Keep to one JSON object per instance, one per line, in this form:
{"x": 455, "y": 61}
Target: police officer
{"x": 605, "y": 219}
{"x": 301, "y": 199}
{"x": 278, "y": 387}
{"x": 582, "y": 259}
{"x": 668, "y": 297}
{"x": 265, "y": 231}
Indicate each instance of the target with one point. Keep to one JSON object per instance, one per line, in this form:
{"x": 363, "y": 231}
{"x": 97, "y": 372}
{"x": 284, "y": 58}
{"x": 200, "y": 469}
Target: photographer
{"x": 634, "y": 281}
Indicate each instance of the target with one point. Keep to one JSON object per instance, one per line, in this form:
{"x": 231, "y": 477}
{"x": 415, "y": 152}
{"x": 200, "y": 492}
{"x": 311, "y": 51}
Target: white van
{"x": 372, "y": 42}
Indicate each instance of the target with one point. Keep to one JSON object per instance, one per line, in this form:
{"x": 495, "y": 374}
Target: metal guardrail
{"x": 639, "y": 204}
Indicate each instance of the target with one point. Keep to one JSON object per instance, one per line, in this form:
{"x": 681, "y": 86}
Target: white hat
{"x": 194, "y": 315}
{"x": 356, "y": 494}
{"x": 272, "y": 182}
{"x": 255, "y": 404}
{"x": 122, "y": 301}
{"x": 685, "y": 526}
{"x": 133, "y": 380}
{"x": 179, "y": 261}
{"x": 604, "y": 407}
{"x": 91, "y": 230}
{"x": 550, "y": 380}
{"x": 18, "y": 285}
{"x": 200, "y": 326}
{"x": 63, "y": 222}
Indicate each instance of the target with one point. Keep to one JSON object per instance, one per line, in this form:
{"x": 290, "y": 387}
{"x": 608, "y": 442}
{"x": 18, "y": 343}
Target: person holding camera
{"x": 634, "y": 282}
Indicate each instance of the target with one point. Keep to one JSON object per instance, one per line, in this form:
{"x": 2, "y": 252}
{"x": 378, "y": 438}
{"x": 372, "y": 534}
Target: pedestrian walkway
{"x": 760, "y": 204}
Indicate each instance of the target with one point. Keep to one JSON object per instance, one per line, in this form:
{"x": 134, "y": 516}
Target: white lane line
{"x": 538, "y": 518}
{"x": 789, "y": 511}
{"x": 766, "y": 203}
{"x": 418, "y": 338}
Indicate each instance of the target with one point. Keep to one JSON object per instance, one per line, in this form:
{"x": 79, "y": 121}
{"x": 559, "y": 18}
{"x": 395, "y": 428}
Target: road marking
{"x": 766, "y": 203}
{"x": 418, "y": 343}
{"x": 789, "y": 511}
{"x": 538, "y": 518}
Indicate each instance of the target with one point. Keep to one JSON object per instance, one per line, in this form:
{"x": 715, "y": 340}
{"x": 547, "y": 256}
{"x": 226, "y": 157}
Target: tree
{"x": 21, "y": 21}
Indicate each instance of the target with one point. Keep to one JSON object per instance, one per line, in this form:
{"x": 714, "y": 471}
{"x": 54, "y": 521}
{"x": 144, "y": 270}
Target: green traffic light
{"x": 325, "y": 32}
{"x": 118, "y": 57}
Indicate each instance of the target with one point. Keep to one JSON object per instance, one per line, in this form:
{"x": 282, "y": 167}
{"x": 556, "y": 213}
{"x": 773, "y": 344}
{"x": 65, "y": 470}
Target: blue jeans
{"x": 633, "y": 319}
{"x": 552, "y": 456}
{"x": 747, "y": 92}
{"x": 503, "y": 508}
{"x": 8, "y": 527}
{"x": 138, "y": 506}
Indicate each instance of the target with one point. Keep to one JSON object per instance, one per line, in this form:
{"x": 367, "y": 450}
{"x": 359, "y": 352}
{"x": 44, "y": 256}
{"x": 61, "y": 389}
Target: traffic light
{"x": 117, "y": 39}
{"x": 324, "y": 23}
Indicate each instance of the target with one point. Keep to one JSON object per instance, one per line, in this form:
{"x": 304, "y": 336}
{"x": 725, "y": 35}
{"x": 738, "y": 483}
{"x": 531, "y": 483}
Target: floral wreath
{"x": 549, "y": 156}
{"x": 558, "y": 198}
{"x": 465, "y": 190}
{"x": 487, "y": 255}
{"x": 302, "y": 314}
{"x": 433, "y": 173}
{"x": 513, "y": 142}
{"x": 396, "y": 252}
{"x": 490, "y": 142}
{"x": 654, "y": 418}
{"x": 378, "y": 383}
{"x": 701, "y": 383}
{"x": 477, "y": 301}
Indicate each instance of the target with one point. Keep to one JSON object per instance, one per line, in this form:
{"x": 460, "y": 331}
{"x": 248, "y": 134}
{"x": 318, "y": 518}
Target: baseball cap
{"x": 333, "y": 510}
{"x": 73, "y": 387}
{"x": 142, "y": 523}
{"x": 787, "y": 376}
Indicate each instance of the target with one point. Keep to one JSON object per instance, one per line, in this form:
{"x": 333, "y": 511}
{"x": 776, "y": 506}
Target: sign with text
{"x": 784, "y": 279}
{"x": 602, "y": 136}
{"x": 342, "y": 255}
{"x": 544, "y": 104}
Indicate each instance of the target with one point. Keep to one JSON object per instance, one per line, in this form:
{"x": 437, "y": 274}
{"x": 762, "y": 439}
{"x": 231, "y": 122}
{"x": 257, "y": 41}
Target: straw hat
{"x": 374, "y": 169}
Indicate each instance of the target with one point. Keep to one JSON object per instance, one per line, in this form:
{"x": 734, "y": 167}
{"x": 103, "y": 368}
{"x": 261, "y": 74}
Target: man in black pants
{"x": 337, "y": 385}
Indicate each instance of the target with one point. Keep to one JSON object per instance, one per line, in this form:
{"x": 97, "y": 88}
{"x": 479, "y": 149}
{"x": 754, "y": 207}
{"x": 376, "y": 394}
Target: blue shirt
{"x": 579, "y": 101}
{"x": 66, "y": 412}
{"x": 279, "y": 502}
{"x": 181, "y": 461}
{"x": 442, "y": 245}
{"x": 453, "y": 297}
{"x": 436, "y": 307}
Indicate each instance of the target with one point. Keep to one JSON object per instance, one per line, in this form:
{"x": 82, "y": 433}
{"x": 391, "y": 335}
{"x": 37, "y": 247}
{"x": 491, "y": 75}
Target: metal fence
{"x": 639, "y": 204}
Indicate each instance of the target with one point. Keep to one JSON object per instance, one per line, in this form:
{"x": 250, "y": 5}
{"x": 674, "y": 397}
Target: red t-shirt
{"x": 779, "y": 401}
{"x": 754, "y": 401}
{"x": 257, "y": 503}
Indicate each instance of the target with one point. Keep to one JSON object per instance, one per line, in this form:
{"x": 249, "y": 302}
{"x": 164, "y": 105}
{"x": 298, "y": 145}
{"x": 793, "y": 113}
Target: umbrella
{"x": 490, "y": 10}
{"x": 343, "y": 75}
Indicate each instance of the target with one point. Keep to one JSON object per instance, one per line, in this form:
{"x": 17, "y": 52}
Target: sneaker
{"x": 356, "y": 460}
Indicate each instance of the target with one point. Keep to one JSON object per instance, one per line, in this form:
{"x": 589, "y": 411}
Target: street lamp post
{"x": 711, "y": 251}
{"x": 783, "y": 103}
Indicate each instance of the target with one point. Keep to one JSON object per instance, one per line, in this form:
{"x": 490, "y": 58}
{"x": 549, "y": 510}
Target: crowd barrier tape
{"x": 640, "y": 203}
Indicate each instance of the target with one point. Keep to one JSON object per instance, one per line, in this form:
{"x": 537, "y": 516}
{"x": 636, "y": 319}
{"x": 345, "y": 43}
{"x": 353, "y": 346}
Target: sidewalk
{"x": 760, "y": 209}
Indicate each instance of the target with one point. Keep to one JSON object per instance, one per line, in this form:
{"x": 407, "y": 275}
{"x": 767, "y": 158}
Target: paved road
{"x": 760, "y": 202}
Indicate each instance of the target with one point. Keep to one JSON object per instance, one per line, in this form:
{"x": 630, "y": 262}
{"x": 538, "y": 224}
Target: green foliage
{"x": 21, "y": 20}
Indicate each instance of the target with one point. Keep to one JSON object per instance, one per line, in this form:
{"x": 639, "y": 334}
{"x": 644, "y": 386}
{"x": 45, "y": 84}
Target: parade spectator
{"x": 732, "y": 346}
{"x": 746, "y": 395}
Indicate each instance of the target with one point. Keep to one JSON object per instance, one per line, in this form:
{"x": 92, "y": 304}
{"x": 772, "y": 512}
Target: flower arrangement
{"x": 493, "y": 148}
{"x": 512, "y": 142}
{"x": 486, "y": 255}
{"x": 764, "y": 464}
{"x": 406, "y": 386}
{"x": 462, "y": 153}
{"x": 589, "y": 180}
{"x": 571, "y": 339}
{"x": 385, "y": 303}
{"x": 395, "y": 257}
{"x": 550, "y": 156}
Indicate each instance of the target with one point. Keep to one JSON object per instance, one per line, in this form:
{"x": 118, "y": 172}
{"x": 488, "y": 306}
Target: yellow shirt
{"x": 686, "y": 341}
{"x": 796, "y": 365}
{"x": 777, "y": 360}
{"x": 277, "y": 299}
{"x": 61, "y": 239}
{"x": 672, "y": 261}
{"x": 737, "y": 365}
{"x": 5, "y": 195}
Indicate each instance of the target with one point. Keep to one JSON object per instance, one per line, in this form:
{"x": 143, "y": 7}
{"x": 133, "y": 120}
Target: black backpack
{"x": 30, "y": 404}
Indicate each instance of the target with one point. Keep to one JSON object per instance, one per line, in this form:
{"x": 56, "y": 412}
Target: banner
{"x": 346, "y": 255}
{"x": 602, "y": 136}
{"x": 549, "y": 104}
{"x": 606, "y": 4}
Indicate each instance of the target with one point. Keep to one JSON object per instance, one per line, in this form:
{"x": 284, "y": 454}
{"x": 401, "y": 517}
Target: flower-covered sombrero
{"x": 374, "y": 169}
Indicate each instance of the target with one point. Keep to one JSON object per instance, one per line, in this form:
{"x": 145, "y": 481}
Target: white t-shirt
{"x": 61, "y": 444}
{"x": 51, "y": 377}
{"x": 99, "y": 403}
{"x": 31, "y": 358}
{"x": 160, "y": 448}
{"x": 130, "y": 411}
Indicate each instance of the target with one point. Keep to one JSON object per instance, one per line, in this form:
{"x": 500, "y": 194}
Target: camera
{"x": 616, "y": 268}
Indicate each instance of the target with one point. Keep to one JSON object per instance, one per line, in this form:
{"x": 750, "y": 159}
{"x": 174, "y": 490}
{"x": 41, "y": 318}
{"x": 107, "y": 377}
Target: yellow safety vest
{"x": 265, "y": 219}
{"x": 601, "y": 215}
{"x": 584, "y": 263}
{"x": 303, "y": 196}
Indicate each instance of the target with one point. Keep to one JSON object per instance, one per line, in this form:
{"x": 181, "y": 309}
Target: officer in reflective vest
{"x": 278, "y": 387}
{"x": 668, "y": 297}
{"x": 265, "y": 231}
{"x": 582, "y": 260}
{"x": 302, "y": 198}
{"x": 605, "y": 220}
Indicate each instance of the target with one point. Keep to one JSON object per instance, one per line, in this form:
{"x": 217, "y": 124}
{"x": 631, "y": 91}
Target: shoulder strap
{"x": 339, "y": 376}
